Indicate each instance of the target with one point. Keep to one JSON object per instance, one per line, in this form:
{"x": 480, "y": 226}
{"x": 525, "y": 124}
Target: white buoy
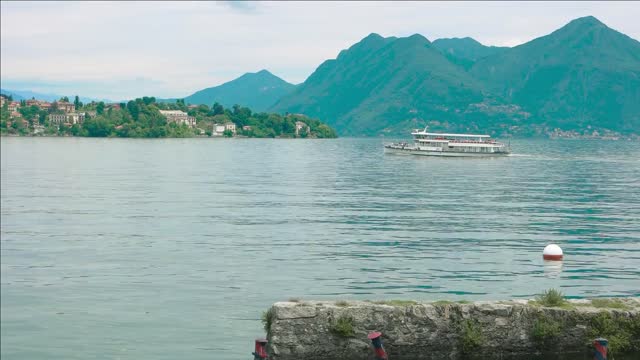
{"x": 552, "y": 252}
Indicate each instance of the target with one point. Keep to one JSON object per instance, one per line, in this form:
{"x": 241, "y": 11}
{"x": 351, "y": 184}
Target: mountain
{"x": 465, "y": 51}
{"x": 583, "y": 74}
{"x": 257, "y": 91}
{"x": 27, "y": 94}
{"x": 15, "y": 95}
{"x": 386, "y": 85}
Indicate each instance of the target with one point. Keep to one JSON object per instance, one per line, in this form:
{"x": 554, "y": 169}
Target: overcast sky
{"x": 120, "y": 50}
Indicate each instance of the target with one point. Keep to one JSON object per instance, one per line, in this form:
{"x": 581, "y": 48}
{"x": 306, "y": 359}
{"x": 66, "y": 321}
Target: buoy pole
{"x": 601, "y": 346}
{"x": 376, "y": 340}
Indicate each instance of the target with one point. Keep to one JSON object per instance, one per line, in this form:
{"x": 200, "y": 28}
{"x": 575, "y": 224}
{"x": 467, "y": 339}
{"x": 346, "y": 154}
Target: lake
{"x": 170, "y": 249}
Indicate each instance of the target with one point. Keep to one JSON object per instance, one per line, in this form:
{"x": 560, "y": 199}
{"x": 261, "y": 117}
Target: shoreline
{"x": 627, "y": 138}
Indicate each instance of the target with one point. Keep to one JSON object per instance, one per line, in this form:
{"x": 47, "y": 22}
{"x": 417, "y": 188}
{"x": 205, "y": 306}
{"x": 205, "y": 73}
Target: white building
{"x": 218, "y": 129}
{"x": 300, "y": 125}
{"x": 179, "y": 117}
{"x": 69, "y": 118}
{"x": 57, "y": 119}
{"x": 75, "y": 118}
{"x": 230, "y": 126}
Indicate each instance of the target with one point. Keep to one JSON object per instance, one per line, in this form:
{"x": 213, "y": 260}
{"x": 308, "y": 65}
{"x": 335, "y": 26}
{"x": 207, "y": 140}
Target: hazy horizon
{"x": 118, "y": 50}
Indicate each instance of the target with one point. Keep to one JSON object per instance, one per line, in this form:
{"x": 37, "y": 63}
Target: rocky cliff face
{"x": 483, "y": 330}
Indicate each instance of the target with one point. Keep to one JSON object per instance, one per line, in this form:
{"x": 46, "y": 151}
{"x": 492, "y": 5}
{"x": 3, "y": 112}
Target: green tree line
{"x": 141, "y": 118}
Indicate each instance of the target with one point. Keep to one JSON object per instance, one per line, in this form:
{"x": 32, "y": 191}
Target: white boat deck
{"x": 449, "y": 144}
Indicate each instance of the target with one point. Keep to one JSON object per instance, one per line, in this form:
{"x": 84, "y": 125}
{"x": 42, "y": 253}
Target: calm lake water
{"x": 171, "y": 249}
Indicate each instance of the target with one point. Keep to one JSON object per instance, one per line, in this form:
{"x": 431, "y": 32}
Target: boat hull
{"x": 414, "y": 151}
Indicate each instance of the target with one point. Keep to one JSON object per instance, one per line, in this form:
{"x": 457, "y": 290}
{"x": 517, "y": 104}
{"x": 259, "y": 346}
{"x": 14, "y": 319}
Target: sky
{"x": 122, "y": 50}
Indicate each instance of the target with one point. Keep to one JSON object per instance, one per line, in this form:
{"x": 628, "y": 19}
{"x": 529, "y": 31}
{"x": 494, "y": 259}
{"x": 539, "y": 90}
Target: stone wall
{"x": 519, "y": 329}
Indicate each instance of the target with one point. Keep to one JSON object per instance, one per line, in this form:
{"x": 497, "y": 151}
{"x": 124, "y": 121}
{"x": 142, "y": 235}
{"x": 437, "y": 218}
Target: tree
{"x": 42, "y": 116}
{"x": 227, "y": 133}
{"x": 76, "y": 130}
{"x": 98, "y": 127}
{"x": 64, "y": 99}
{"x": 181, "y": 105}
{"x": 77, "y": 102}
{"x": 148, "y": 100}
{"x": 133, "y": 109}
{"x": 100, "y": 108}
{"x": 217, "y": 109}
{"x": 288, "y": 126}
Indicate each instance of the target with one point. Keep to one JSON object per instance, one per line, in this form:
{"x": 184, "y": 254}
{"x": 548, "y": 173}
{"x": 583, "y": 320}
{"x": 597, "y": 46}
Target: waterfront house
{"x": 218, "y": 129}
{"x": 246, "y": 128}
{"x": 230, "y": 126}
{"x": 179, "y": 117}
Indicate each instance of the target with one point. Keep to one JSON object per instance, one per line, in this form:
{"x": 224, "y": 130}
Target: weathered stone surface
{"x": 303, "y": 330}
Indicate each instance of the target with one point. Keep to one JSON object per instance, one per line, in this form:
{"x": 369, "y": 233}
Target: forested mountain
{"x": 257, "y": 91}
{"x": 389, "y": 85}
{"x": 582, "y": 76}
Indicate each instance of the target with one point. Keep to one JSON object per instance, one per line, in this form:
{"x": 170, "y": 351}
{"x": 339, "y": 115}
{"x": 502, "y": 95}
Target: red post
{"x": 376, "y": 340}
{"x": 260, "y": 352}
{"x": 601, "y": 346}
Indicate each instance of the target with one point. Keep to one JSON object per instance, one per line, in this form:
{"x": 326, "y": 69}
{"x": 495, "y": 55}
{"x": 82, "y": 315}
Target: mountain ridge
{"x": 563, "y": 79}
{"x": 581, "y": 75}
{"x": 256, "y": 90}
{"x": 28, "y": 94}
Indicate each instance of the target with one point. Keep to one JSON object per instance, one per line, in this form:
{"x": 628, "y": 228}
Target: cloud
{"x": 244, "y": 6}
{"x": 181, "y": 47}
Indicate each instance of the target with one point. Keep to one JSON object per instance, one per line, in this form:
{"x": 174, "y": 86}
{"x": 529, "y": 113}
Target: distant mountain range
{"x": 583, "y": 76}
{"x": 27, "y": 94}
{"x": 258, "y": 91}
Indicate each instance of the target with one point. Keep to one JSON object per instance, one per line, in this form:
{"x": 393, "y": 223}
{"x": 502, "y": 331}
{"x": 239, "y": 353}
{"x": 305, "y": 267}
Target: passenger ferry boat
{"x": 441, "y": 144}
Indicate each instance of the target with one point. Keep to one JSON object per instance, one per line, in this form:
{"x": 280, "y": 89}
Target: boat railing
{"x": 491, "y": 142}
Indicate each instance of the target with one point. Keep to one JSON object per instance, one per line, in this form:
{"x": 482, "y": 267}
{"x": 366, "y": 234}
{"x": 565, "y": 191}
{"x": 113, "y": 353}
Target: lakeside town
{"x": 35, "y": 117}
{"x": 145, "y": 117}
